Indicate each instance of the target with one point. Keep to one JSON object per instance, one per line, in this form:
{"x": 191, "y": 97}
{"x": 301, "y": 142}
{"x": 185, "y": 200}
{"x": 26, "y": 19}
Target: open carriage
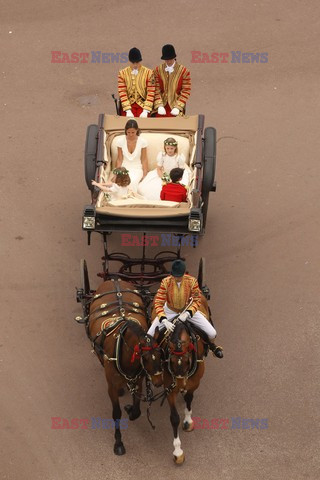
{"x": 199, "y": 148}
{"x": 125, "y": 297}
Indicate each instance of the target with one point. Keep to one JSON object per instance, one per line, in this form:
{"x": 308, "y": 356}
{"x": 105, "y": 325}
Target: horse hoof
{"x": 188, "y": 427}
{"x": 134, "y": 417}
{"x": 121, "y": 392}
{"x": 179, "y": 460}
{"x": 218, "y": 352}
{"x": 119, "y": 449}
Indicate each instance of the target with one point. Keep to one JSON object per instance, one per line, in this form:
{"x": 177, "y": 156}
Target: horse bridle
{"x": 180, "y": 353}
{"x": 138, "y": 351}
{"x": 121, "y": 305}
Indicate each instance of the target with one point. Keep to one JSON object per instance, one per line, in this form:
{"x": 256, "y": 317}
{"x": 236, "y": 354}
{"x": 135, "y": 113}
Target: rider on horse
{"x": 174, "y": 294}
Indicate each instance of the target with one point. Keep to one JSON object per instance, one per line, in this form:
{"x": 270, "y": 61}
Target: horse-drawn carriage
{"x": 199, "y": 148}
{"x": 117, "y": 315}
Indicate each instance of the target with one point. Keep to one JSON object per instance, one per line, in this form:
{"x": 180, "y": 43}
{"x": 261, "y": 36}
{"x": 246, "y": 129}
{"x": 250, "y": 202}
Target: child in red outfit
{"x": 174, "y": 191}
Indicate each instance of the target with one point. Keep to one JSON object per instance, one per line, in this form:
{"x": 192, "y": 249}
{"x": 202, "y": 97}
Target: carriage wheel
{"x": 202, "y": 278}
{"x": 105, "y": 266}
{"x": 84, "y": 287}
{"x": 90, "y": 155}
{"x": 202, "y": 272}
{"x": 209, "y": 169}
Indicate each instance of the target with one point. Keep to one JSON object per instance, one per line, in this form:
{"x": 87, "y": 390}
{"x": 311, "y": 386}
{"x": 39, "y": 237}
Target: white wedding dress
{"x": 151, "y": 185}
{"x": 132, "y": 161}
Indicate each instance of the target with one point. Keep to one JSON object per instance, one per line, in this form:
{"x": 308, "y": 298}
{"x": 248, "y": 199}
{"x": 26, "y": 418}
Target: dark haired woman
{"x": 132, "y": 153}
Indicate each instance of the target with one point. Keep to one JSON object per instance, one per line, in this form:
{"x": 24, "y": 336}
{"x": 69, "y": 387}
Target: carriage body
{"x": 127, "y": 215}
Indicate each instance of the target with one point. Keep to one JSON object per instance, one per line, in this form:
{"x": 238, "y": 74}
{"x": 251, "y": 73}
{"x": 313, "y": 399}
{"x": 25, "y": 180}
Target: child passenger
{"x": 117, "y": 189}
{"x": 169, "y": 158}
{"x": 174, "y": 191}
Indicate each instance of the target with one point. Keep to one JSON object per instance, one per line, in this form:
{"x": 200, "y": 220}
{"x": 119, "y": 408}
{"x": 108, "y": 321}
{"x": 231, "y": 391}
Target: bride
{"x": 132, "y": 153}
{"x": 150, "y": 187}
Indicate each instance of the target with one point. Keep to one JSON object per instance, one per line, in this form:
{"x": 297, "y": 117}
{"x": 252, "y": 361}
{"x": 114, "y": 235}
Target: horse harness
{"x": 119, "y": 304}
{"x": 191, "y": 348}
{"x": 112, "y": 324}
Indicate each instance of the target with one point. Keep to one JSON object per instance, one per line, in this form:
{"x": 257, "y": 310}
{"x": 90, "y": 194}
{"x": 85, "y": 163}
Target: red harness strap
{"x": 190, "y": 348}
{"x": 137, "y": 351}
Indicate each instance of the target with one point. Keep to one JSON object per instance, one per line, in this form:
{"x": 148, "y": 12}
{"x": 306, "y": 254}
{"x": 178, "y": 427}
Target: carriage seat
{"x": 155, "y": 145}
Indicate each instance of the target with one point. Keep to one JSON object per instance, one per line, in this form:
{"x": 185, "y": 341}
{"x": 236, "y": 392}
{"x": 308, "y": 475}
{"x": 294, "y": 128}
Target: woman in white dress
{"x": 132, "y": 153}
{"x": 168, "y": 159}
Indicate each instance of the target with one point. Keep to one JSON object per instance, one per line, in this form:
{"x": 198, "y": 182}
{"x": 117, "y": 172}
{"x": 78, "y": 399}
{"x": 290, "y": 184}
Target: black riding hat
{"x": 178, "y": 268}
{"x": 168, "y": 52}
{"x": 135, "y": 55}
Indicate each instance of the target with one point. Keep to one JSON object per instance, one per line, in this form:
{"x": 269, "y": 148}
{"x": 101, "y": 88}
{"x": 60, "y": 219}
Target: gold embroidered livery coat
{"x": 173, "y": 89}
{"x": 177, "y": 298}
{"x": 138, "y": 89}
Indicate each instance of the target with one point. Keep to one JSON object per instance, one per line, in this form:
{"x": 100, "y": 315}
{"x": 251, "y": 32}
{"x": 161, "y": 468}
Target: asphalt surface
{"x": 261, "y": 244}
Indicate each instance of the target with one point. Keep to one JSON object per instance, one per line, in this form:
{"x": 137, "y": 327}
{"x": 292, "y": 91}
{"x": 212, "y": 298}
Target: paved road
{"x": 262, "y": 243}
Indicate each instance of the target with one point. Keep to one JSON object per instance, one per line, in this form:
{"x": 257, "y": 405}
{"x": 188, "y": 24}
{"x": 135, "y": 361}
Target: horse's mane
{"x": 136, "y": 328}
{"x": 175, "y": 337}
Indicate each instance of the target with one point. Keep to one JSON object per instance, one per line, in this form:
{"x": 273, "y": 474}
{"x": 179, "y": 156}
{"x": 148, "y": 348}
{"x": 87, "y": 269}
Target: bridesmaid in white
{"x": 168, "y": 159}
{"x": 132, "y": 153}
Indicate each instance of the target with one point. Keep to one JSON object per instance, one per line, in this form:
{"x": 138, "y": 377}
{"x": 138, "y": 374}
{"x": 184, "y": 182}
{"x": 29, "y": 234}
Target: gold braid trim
{"x": 173, "y": 84}
{"x": 138, "y": 89}
{"x": 169, "y": 94}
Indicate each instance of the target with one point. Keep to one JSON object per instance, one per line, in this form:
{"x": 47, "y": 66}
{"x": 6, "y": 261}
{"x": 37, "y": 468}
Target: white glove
{"x": 175, "y": 111}
{"x": 169, "y": 326}
{"x": 144, "y": 114}
{"x": 161, "y": 111}
{"x": 129, "y": 113}
{"x": 184, "y": 316}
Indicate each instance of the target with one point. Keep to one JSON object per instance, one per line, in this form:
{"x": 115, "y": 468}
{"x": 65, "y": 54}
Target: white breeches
{"x": 198, "y": 319}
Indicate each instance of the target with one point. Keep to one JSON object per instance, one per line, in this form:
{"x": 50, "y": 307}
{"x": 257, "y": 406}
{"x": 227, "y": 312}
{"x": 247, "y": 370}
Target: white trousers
{"x": 198, "y": 319}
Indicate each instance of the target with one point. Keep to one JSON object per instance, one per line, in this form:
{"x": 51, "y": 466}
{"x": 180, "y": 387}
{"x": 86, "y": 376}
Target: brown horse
{"x": 184, "y": 352}
{"x": 117, "y": 328}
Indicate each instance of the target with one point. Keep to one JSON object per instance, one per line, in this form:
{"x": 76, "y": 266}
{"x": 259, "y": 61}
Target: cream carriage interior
{"x": 198, "y": 144}
{"x": 155, "y": 131}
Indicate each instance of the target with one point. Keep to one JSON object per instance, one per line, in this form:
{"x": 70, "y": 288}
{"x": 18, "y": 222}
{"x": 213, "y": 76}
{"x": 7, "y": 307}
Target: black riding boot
{"x": 216, "y": 350}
